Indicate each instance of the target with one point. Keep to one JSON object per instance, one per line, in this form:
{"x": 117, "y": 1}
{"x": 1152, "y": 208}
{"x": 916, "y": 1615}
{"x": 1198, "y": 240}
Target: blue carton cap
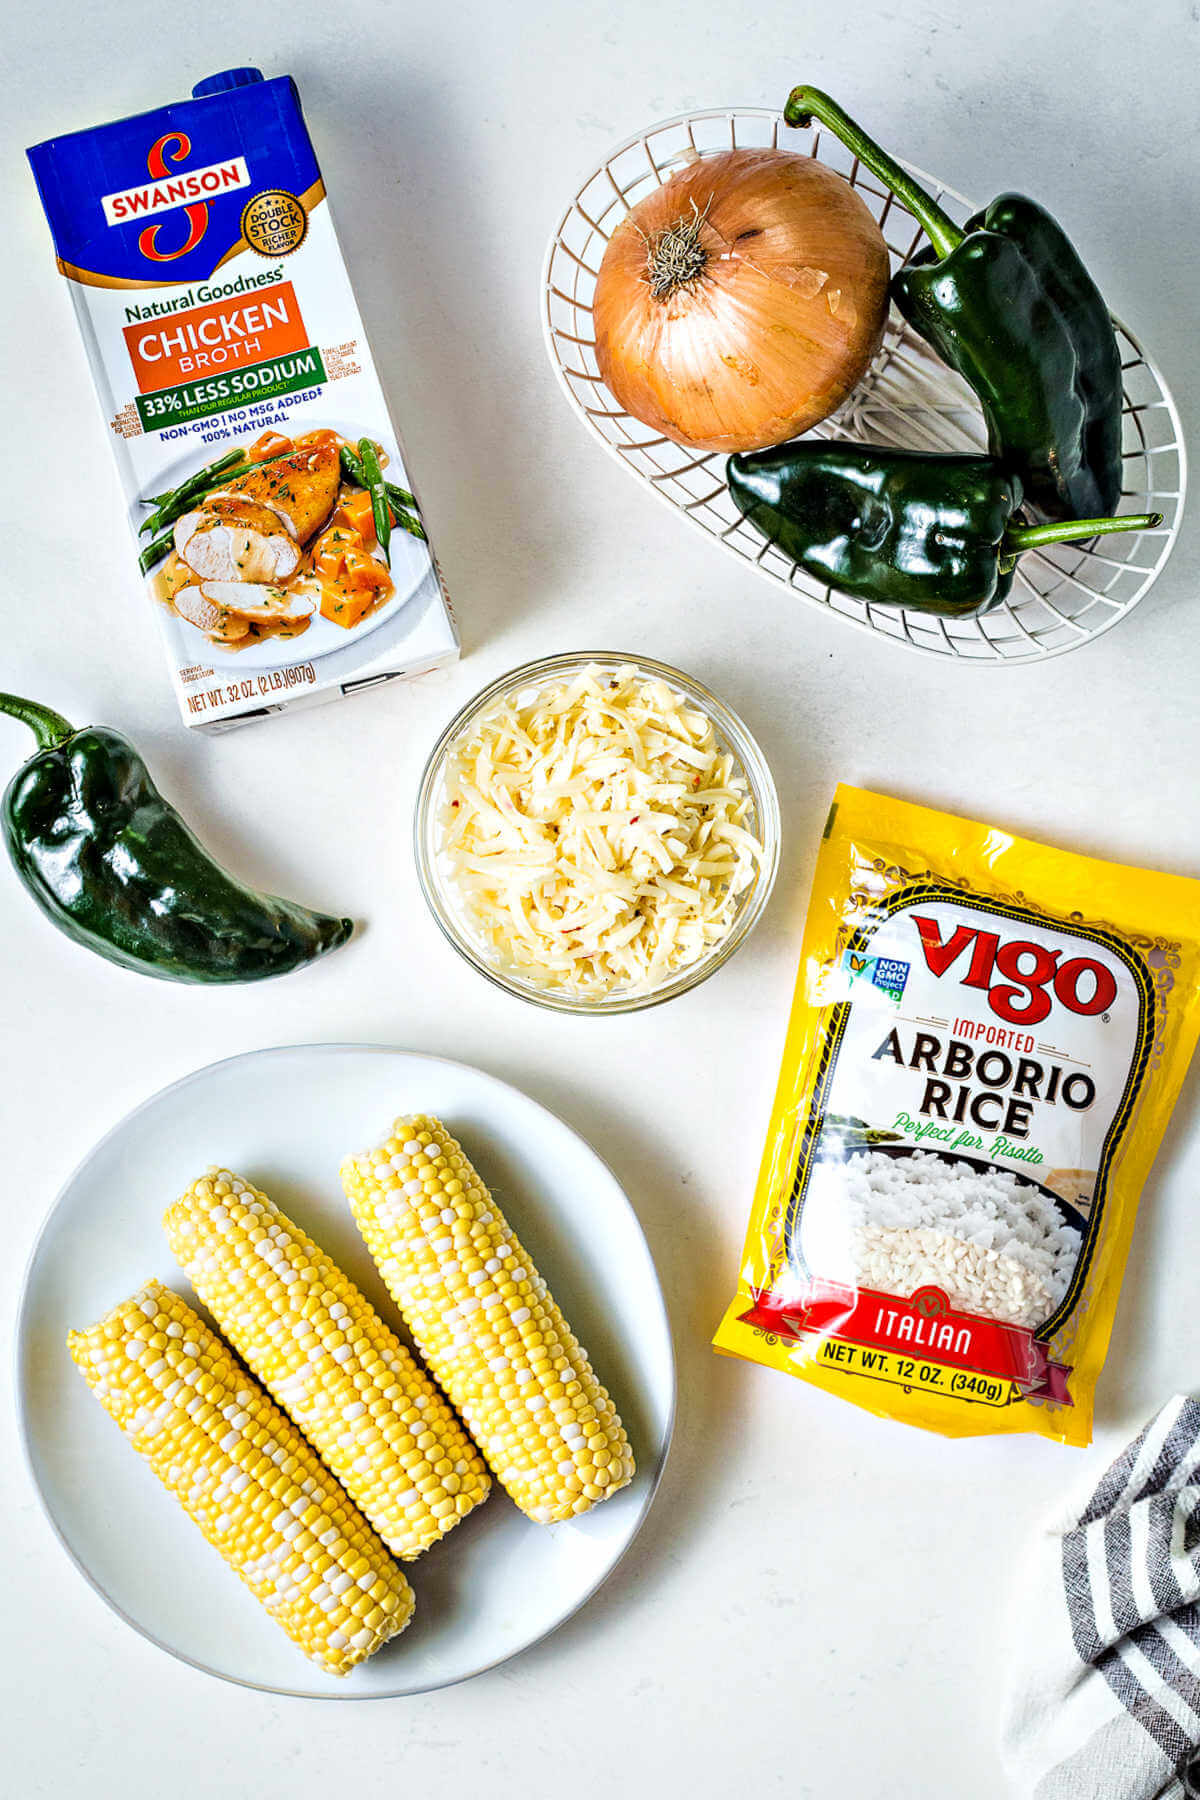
{"x": 228, "y": 78}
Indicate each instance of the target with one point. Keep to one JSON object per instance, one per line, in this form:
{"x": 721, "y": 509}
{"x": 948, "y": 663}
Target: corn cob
{"x": 486, "y": 1324}
{"x": 245, "y": 1476}
{"x": 328, "y": 1359}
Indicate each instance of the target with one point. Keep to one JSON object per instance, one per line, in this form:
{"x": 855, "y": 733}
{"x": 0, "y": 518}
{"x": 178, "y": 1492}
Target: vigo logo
{"x": 1017, "y": 976}
{"x": 170, "y": 190}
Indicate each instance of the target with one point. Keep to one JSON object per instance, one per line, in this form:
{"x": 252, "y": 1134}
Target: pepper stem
{"x": 808, "y": 103}
{"x": 49, "y": 728}
{"x": 1031, "y": 537}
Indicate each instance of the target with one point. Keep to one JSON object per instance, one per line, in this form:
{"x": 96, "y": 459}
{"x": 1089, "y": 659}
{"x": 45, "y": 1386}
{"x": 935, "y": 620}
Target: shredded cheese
{"x": 597, "y": 835}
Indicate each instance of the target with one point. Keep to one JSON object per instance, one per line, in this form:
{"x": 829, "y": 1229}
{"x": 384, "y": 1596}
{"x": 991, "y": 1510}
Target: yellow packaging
{"x": 987, "y": 1039}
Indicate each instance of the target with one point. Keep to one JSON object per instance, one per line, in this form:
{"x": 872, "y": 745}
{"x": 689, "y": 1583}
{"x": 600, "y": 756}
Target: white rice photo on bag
{"x": 993, "y": 1242}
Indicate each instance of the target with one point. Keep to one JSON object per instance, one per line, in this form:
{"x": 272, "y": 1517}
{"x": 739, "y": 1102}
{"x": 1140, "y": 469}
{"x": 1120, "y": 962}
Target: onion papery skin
{"x": 777, "y": 328}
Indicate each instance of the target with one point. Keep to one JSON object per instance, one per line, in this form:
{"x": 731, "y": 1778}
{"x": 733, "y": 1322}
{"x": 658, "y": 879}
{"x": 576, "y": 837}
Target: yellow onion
{"x": 738, "y": 304}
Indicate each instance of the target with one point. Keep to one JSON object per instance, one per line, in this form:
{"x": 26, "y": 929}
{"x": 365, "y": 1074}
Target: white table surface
{"x": 815, "y": 1606}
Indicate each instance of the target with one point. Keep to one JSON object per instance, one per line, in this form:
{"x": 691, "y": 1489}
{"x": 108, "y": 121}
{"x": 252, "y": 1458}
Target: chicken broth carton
{"x": 274, "y": 523}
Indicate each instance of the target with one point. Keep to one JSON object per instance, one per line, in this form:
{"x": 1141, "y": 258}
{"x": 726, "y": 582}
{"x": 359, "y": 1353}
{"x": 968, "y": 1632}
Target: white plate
{"x": 409, "y": 568}
{"x": 285, "y": 1118}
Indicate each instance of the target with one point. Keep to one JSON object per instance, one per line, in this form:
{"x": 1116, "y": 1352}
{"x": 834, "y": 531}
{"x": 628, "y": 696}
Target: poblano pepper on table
{"x": 1007, "y": 302}
{"x": 938, "y": 534}
{"x": 112, "y": 864}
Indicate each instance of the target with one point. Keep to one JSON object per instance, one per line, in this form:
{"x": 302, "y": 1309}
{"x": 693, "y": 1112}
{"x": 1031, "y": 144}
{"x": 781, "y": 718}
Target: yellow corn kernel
{"x": 486, "y": 1324}
{"x": 327, "y": 1359}
{"x": 243, "y": 1474}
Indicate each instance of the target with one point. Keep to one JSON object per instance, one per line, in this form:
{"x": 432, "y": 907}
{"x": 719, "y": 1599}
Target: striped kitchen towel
{"x": 1107, "y": 1705}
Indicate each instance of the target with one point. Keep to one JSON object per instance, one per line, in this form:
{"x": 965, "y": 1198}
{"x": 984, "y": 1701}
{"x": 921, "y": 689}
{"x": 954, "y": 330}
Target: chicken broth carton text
{"x": 275, "y": 526}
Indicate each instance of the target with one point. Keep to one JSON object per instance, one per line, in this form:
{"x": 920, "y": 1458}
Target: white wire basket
{"x": 1063, "y": 595}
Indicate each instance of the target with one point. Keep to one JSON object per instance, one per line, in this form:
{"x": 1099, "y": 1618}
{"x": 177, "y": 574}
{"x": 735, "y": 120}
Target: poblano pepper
{"x": 113, "y": 865}
{"x": 938, "y": 534}
{"x": 1007, "y": 302}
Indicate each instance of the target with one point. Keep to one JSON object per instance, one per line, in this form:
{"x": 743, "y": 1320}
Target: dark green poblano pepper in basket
{"x": 1007, "y": 302}
{"x": 113, "y": 865}
{"x": 938, "y": 534}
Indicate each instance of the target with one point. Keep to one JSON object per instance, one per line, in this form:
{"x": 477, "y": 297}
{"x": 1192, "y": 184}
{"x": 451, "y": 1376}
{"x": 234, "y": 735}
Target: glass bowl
{"x": 444, "y": 903}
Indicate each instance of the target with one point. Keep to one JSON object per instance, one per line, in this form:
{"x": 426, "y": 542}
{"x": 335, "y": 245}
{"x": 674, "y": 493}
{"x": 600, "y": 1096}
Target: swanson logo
{"x": 1016, "y": 975}
{"x": 170, "y": 190}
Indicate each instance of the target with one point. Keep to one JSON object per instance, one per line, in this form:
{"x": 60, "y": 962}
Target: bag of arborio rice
{"x": 987, "y": 1039}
